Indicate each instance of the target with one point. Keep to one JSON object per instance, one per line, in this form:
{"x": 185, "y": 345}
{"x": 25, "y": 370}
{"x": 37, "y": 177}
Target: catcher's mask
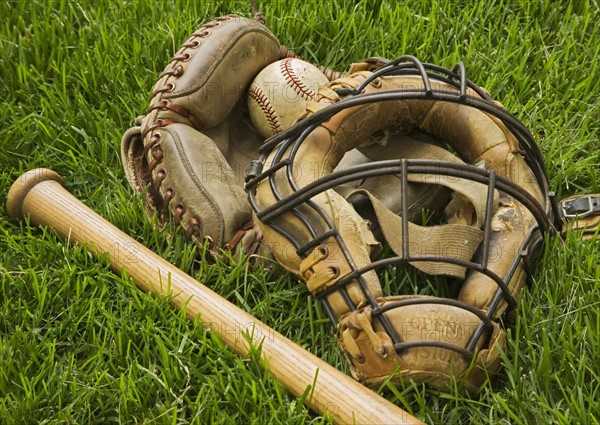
{"x": 427, "y": 139}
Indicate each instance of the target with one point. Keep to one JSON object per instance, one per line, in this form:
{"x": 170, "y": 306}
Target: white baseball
{"x": 279, "y": 94}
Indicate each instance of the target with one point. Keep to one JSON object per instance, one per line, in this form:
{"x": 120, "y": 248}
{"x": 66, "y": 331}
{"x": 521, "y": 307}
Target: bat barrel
{"x": 40, "y": 195}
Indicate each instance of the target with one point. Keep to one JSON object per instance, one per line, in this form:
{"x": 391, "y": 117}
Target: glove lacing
{"x": 317, "y": 279}
{"x": 361, "y": 322}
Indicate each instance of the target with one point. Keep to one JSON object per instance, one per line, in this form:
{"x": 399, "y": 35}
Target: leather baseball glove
{"x": 191, "y": 149}
{"x": 420, "y": 127}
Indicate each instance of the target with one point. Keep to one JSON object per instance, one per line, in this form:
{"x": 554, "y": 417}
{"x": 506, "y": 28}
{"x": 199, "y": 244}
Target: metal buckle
{"x": 581, "y": 206}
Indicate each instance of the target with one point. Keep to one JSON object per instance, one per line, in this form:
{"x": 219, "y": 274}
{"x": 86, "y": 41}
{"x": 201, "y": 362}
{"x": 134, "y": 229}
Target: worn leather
{"x": 586, "y": 219}
{"x": 433, "y": 323}
{"x": 478, "y": 138}
{"x": 387, "y": 188}
{"x": 192, "y": 148}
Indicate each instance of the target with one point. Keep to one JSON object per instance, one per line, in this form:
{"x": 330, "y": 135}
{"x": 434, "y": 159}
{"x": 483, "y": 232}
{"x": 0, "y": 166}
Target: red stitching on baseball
{"x": 291, "y": 78}
{"x": 260, "y": 97}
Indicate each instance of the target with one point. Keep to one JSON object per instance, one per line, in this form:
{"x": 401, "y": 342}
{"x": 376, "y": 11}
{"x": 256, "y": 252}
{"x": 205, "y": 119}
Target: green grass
{"x": 79, "y": 344}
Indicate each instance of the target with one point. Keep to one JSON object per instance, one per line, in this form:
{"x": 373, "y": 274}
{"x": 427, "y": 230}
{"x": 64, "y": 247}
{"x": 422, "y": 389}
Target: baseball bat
{"x": 40, "y": 194}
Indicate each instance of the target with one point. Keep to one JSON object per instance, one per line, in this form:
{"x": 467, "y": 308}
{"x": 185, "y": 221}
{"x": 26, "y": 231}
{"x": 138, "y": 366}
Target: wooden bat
{"x": 40, "y": 194}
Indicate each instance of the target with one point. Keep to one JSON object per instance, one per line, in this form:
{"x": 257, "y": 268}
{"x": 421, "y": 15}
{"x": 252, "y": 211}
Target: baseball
{"x": 279, "y": 94}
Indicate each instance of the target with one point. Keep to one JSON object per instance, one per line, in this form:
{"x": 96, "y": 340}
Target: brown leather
{"x": 386, "y": 188}
{"x": 192, "y": 148}
{"x": 588, "y": 226}
{"x": 476, "y": 135}
{"x": 434, "y": 365}
{"x": 478, "y": 138}
{"x": 581, "y": 213}
{"x": 224, "y": 57}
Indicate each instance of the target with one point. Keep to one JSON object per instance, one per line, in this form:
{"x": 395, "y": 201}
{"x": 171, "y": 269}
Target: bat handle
{"x": 40, "y": 195}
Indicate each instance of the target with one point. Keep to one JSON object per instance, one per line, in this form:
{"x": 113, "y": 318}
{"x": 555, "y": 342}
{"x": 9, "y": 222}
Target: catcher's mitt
{"x": 327, "y": 231}
{"x": 190, "y": 152}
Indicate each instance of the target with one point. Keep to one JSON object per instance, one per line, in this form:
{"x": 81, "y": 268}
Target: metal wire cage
{"x": 283, "y": 148}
